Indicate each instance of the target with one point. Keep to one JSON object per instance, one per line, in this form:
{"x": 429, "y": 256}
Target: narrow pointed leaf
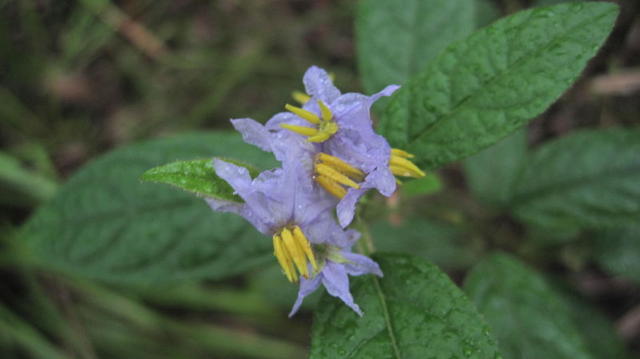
{"x": 485, "y": 87}
{"x": 415, "y": 311}
{"x": 196, "y": 176}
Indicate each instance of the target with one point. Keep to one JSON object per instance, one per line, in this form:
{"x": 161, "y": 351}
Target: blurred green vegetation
{"x": 78, "y": 78}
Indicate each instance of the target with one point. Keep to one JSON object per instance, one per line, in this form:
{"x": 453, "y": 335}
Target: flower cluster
{"x": 330, "y": 156}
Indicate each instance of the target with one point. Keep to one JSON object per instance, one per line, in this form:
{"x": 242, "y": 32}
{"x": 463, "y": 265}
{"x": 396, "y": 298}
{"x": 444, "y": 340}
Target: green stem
{"x": 365, "y": 244}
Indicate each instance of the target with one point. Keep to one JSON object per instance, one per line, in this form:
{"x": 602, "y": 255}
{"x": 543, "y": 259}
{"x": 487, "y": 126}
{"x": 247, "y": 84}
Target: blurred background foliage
{"x": 78, "y": 78}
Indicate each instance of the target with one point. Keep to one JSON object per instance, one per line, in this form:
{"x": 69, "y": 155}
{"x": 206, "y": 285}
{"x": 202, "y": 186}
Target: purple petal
{"x": 284, "y": 117}
{"x": 307, "y": 286}
{"x": 324, "y": 229}
{"x": 318, "y": 84}
{"x": 381, "y": 179}
{"x": 336, "y": 281}
{"x": 359, "y": 264}
{"x": 236, "y": 176}
{"x": 346, "y": 208}
{"x": 253, "y": 133}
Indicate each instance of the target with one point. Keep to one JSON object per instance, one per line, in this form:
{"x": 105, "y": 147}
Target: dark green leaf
{"x": 597, "y": 330}
{"x": 529, "y": 319}
{"x": 415, "y": 311}
{"x": 491, "y": 173}
{"x": 483, "y": 88}
{"x": 618, "y": 251}
{"x": 197, "y": 176}
{"x": 589, "y": 178}
{"x": 104, "y": 223}
{"x": 397, "y": 39}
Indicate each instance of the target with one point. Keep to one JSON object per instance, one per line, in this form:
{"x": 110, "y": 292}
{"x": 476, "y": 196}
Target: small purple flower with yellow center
{"x": 283, "y": 203}
{"x": 351, "y": 158}
{"x": 339, "y": 264}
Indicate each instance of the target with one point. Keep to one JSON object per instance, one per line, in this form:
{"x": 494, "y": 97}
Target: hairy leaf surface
{"x": 483, "y": 88}
{"x": 415, "y": 311}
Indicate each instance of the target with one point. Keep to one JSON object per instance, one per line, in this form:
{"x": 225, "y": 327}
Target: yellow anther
{"x": 303, "y": 242}
{"x": 325, "y": 111}
{"x": 401, "y": 171}
{"x": 300, "y": 97}
{"x": 320, "y": 137}
{"x": 309, "y": 116}
{"x": 295, "y": 252}
{"x": 341, "y": 166}
{"x": 336, "y": 176}
{"x": 305, "y": 131}
{"x": 409, "y": 166}
{"x": 283, "y": 259}
{"x": 400, "y": 153}
{"x": 331, "y": 186}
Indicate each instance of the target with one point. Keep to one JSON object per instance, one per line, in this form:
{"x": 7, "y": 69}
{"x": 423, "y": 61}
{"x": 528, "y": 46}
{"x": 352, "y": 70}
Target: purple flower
{"x": 339, "y": 265}
{"x": 353, "y": 157}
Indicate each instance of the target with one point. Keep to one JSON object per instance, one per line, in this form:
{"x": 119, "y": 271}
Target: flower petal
{"x": 307, "y": 286}
{"x": 346, "y": 208}
{"x": 359, "y": 264}
{"x": 254, "y": 133}
{"x": 318, "y": 84}
{"x": 336, "y": 281}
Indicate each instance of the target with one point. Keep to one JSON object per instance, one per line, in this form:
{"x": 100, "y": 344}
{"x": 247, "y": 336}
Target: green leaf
{"x": 596, "y": 329}
{"x": 105, "y": 223}
{"x": 444, "y": 244}
{"x": 483, "y": 88}
{"x": 529, "y": 319}
{"x": 492, "y": 172}
{"x": 618, "y": 250}
{"x": 395, "y": 40}
{"x": 415, "y": 311}
{"x": 590, "y": 178}
{"x": 429, "y": 184}
{"x": 197, "y": 176}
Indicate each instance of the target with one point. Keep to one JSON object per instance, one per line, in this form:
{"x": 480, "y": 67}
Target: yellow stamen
{"x": 400, "y": 153}
{"x": 401, "y": 171}
{"x": 400, "y": 162}
{"x": 295, "y": 252}
{"x": 300, "y": 97}
{"x": 283, "y": 259}
{"x": 303, "y": 242}
{"x": 320, "y": 137}
{"x": 309, "y": 116}
{"x": 326, "y": 130}
{"x": 341, "y": 166}
{"x": 325, "y": 170}
{"x": 305, "y": 131}
{"x": 325, "y": 111}
{"x": 331, "y": 186}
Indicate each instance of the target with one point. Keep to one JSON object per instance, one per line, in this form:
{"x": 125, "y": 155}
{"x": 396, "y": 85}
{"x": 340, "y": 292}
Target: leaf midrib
{"x": 490, "y": 81}
{"x": 387, "y": 317}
